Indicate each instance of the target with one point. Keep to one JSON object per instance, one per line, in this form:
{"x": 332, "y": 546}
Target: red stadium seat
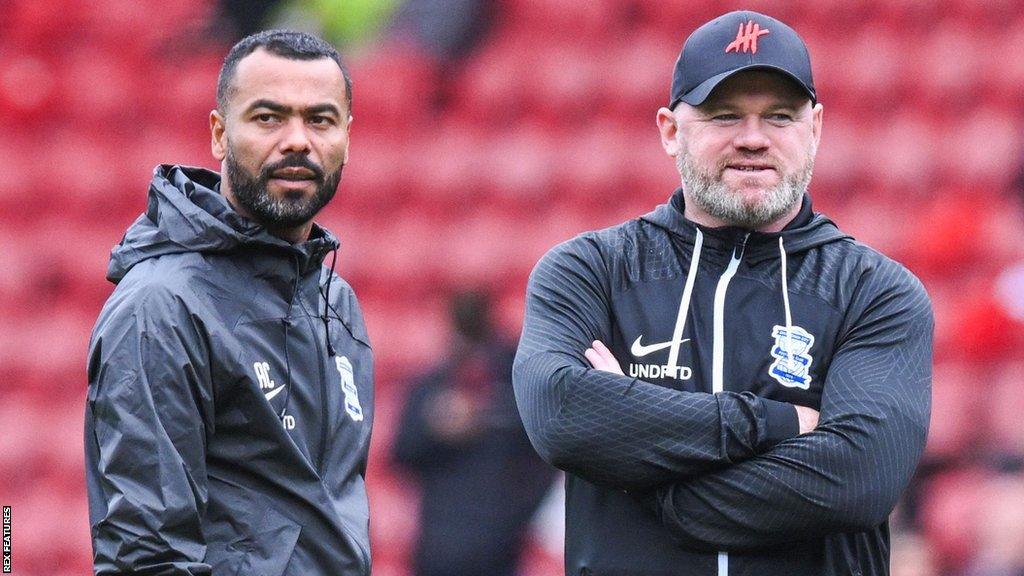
{"x": 1003, "y": 77}
{"x": 1004, "y": 404}
{"x": 395, "y": 87}
{"x": 592, "y": 19}
{"x": 492, "y": 86}
{"x": 29, "y": 87}
{"x": 467, "y": 172}
{"x": 956, "y": 409}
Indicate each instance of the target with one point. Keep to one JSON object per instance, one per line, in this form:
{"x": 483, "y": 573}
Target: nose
{"x": 294, "y": 137}
{"x": 751, "y": 135}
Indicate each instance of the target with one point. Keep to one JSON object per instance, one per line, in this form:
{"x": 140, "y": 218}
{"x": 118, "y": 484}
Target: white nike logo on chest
{"x": 639, "y": 350}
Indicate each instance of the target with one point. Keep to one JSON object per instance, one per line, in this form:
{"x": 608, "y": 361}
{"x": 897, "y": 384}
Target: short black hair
{"x": 287, "y": 43}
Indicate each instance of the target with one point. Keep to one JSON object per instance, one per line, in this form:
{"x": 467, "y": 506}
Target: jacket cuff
{"x": 781, "y": 422}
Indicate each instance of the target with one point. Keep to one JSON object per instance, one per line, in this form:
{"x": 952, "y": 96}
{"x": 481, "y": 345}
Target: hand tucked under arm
{"x": 601, "y": 358}
{"x": 608, "y": 428}
{"x": 845, "y": 475}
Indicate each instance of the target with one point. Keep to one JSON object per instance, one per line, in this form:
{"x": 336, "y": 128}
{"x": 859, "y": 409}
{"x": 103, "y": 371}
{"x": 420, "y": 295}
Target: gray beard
{"x": 712, "y": 195}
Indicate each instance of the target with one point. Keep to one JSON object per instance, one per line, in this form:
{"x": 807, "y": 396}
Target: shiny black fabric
{"x": 221, "y": 437}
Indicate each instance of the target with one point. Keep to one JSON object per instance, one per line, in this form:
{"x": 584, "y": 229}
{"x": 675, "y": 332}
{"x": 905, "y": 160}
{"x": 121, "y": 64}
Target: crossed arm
{"x": 707, "y": 464}
{"x": 601, "y": 358}
{"x": 607, "y": 428}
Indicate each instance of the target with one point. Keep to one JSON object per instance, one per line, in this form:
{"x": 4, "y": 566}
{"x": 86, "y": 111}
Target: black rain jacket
{"x": 228, "y": 419}
{"x": 690, "y": 464}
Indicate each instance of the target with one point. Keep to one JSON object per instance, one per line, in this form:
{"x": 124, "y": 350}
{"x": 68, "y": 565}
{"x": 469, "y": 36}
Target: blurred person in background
{"x": 242, "y": 17}
{"x": 675, "y": 365}
{"x": 230, "y": 394}
{"x": 461, "y": 438}
{"x": 445, "y": 28}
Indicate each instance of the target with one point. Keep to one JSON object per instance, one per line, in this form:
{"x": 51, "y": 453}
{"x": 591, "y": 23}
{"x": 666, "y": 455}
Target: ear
{"x": 668, "y": 127}
{"x": 218, "y": 136}
{"x": 348, "y": 138}
{"x": 817, "y": 112}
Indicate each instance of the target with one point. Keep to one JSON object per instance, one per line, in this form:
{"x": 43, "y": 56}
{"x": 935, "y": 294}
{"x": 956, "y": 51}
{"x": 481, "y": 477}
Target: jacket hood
{"x": 807, "y": 230}
{"x": 187, "y": 213}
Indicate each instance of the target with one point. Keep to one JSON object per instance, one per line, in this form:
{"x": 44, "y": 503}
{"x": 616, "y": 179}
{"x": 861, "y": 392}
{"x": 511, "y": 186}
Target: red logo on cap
{"x": 746, "y": 38}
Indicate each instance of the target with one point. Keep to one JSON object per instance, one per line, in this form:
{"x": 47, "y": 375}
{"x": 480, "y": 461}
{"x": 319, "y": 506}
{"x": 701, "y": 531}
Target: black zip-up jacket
{"x": 691, "y": 464}
{"x": 228, "y": 419}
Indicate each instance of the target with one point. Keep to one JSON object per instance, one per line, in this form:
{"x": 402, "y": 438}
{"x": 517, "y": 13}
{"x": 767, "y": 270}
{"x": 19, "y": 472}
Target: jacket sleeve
{"x": 607, "y": 428}
{"x": 848, "y": 473}
{"x": 148, "y": 415}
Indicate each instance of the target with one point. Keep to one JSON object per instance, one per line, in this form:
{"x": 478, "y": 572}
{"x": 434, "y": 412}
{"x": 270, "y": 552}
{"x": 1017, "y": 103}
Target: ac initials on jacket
{"x": 263, "y": 377}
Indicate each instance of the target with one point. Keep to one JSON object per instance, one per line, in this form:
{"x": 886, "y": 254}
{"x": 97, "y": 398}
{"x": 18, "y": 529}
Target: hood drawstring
{"x": 288, "y": 369}
{"x": 684, "y": 303}
{"x": 327, "y": 304}
{"x": 785, "y": 302}
{"x": 287, "y": 321}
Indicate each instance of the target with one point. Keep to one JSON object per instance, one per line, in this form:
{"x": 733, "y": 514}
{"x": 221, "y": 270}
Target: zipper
{"x": 297, "y": 297}
{"x": 362, "y": 552}
{"x": 718, "y": 354}
{"x": 323, "y": 398}
{"x": 718, "y": 346}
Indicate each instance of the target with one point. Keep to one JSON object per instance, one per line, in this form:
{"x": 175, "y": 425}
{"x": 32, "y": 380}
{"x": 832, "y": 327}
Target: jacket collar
{"x": 807, "y": 230}
{"x": 187, "y": 213}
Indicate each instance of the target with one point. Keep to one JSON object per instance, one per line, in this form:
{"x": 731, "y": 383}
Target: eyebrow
{"x": 322, "y": 108}
{"x": 709, "y": 108}
{"x": 269, "y": 105}
{"x": 283, "y": 109}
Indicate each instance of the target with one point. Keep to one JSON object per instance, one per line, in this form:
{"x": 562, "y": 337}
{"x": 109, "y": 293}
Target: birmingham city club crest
{"x": 348, "y": 387}
{"x": 792, "y": 364}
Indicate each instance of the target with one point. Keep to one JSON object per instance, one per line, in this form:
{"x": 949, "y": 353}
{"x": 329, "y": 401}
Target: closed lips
{"x": 294, "y": 174}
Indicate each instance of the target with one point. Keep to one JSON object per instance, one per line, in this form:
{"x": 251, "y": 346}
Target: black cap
{"x": 734, "y": 42}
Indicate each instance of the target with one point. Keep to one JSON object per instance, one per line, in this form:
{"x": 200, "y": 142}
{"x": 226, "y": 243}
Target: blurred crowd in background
{"x": 485, "y": 132}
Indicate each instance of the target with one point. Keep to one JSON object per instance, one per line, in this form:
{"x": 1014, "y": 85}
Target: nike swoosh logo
{"x": 639, "y": 350}
{"x": 270, "y": 395}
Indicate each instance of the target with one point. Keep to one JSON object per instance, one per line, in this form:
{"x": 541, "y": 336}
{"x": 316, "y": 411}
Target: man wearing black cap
{"x": 674, "y": 365}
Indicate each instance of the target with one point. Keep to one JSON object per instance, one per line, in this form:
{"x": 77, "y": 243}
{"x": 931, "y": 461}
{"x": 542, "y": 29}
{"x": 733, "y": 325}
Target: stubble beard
{"x": 706, "y": 189}
{"x": 289, "y": 211}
